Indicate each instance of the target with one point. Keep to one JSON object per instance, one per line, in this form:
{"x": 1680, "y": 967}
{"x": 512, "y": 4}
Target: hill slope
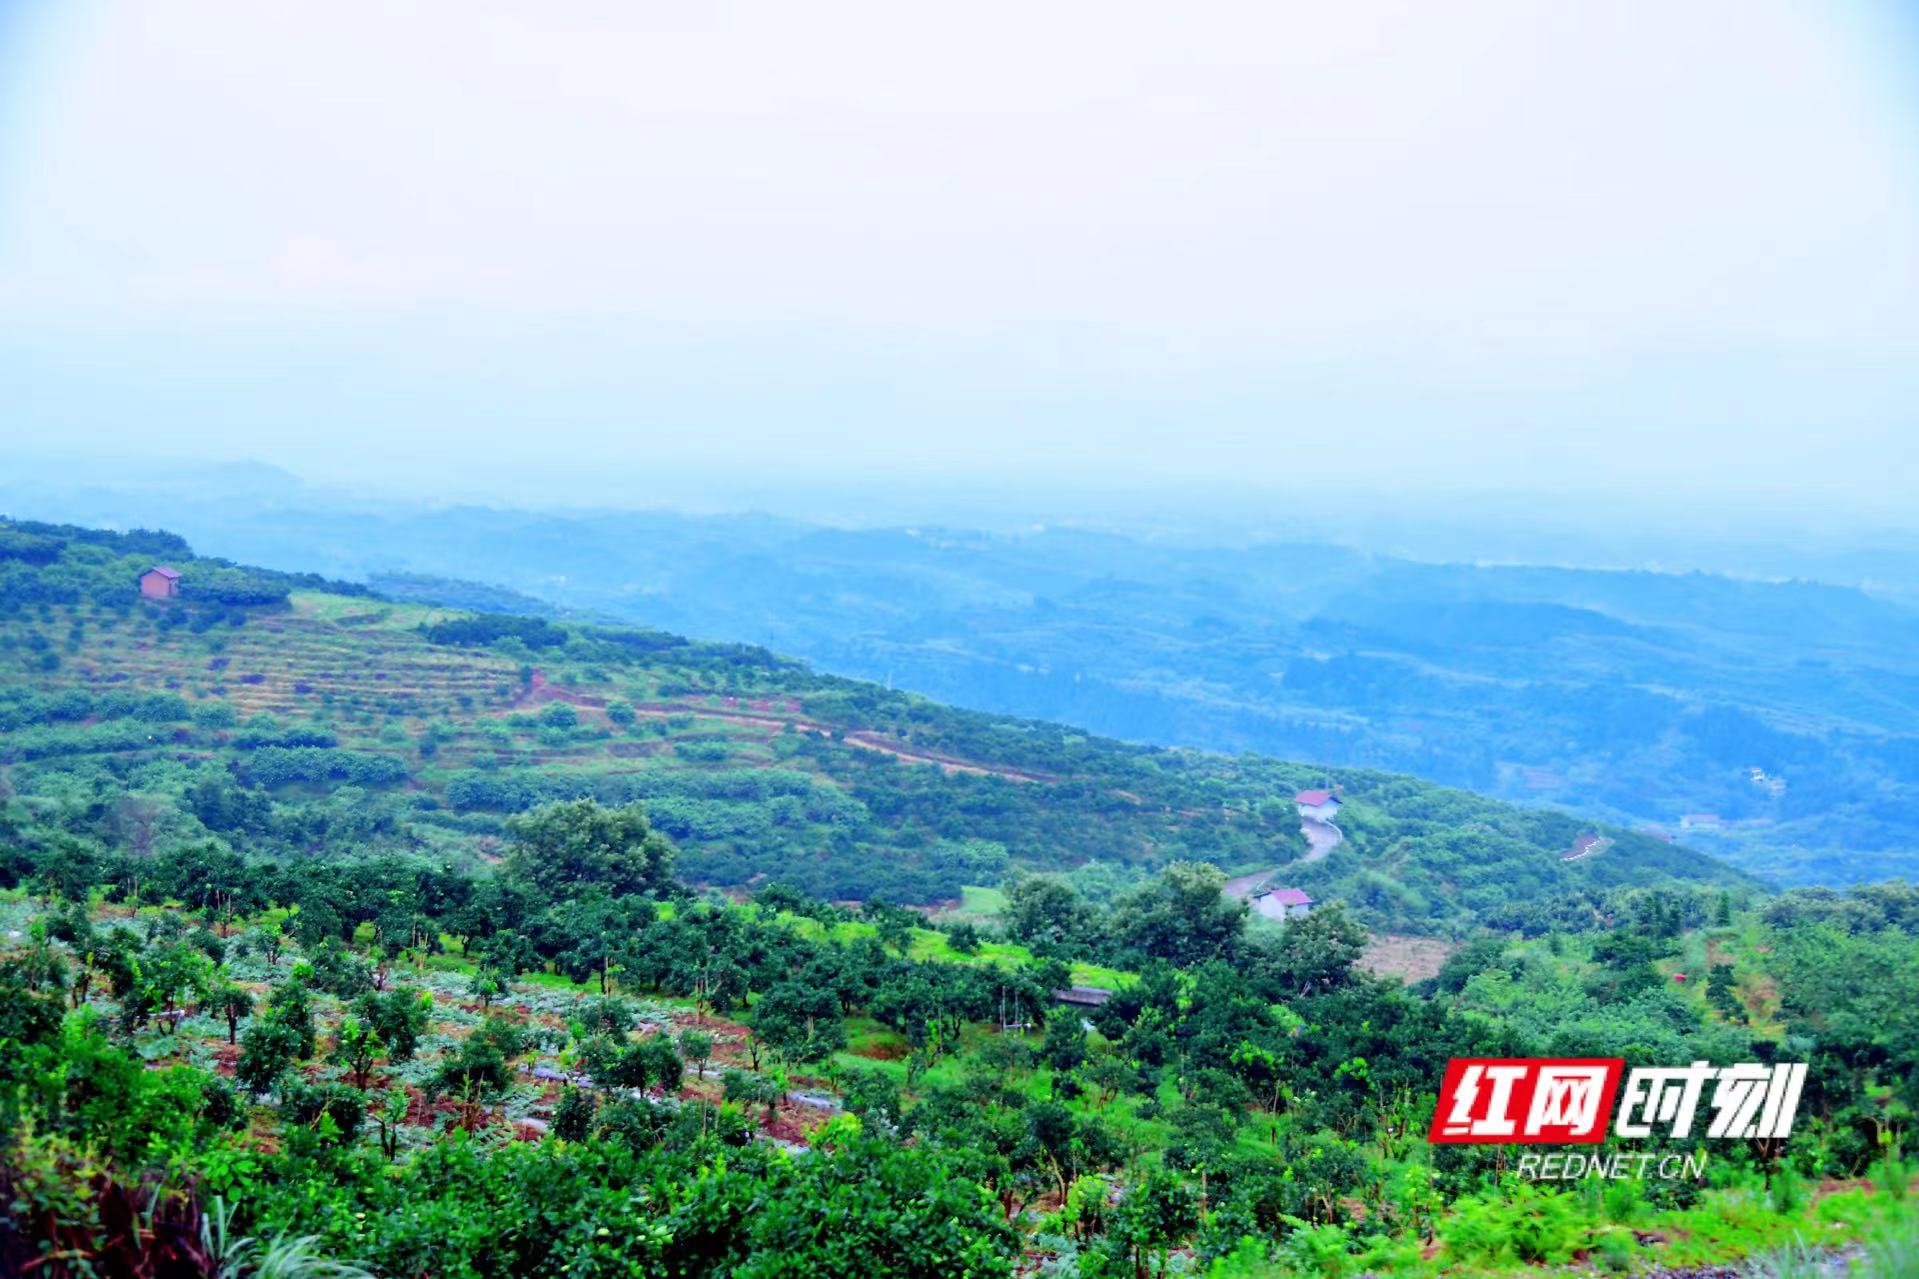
{"x": 282, "y": 714}
{"x": 1627, "y": 696}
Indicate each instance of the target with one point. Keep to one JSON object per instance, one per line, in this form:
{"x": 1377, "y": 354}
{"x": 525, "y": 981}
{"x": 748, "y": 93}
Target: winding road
{"x": 1321, "y": 838}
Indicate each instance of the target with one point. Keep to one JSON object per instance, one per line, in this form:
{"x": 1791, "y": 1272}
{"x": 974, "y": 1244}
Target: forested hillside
{"x": 298, "y": 718}
{"x": 332, "y": 943}
{"x": 1633, "y": 697}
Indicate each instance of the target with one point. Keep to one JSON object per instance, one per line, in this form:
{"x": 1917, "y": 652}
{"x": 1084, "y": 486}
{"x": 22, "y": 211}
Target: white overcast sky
{"x": 555, "y": 246}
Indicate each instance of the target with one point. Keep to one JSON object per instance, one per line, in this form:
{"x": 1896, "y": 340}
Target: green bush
{"x": 1518, "y": 1223}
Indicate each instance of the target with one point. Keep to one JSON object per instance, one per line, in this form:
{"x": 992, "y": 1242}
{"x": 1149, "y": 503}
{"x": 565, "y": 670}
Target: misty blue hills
{"x": 1772, "y": 723}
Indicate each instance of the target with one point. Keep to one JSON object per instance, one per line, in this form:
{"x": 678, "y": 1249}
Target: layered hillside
{"x": 1784, "y": 712}
{"x": 293, "y": 716}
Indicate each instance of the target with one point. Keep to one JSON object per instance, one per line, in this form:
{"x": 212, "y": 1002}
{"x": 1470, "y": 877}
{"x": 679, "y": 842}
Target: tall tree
{"x": 564, "y": 847}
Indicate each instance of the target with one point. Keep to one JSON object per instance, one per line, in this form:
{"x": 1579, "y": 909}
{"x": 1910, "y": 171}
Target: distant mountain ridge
{"x": 1640, "y": 698}
{"x": 312, "y": 723}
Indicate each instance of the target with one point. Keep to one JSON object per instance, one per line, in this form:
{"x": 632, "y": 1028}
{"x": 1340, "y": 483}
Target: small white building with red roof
{"x": 1317, "y": 805}
{"x": 1282, "y": 903}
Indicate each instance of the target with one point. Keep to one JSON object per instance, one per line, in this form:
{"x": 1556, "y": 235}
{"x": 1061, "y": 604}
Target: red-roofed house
{"x": 1317, "y": 805}
{"x": 1282, "y": 903}
{"x": 159, "y": 583}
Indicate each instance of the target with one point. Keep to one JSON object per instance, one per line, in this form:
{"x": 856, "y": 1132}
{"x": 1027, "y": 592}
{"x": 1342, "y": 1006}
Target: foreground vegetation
{"x": 341, "y": 935}
{"x": 573, "y": 1066}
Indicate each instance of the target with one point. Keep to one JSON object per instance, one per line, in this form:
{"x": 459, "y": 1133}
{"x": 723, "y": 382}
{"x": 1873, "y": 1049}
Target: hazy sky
{"x": 568, "y": 248}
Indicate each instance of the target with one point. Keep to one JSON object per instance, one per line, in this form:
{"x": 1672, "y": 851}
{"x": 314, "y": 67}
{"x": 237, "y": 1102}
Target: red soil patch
{"x": 793, "y": 1123}
{"x": 422, "y": 1111}
{"x": 540, "y": 691}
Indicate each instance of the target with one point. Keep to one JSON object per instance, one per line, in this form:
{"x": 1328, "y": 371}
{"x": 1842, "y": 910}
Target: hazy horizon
{"x": 1640, "y": 258}
{"x": 238, "y": 507}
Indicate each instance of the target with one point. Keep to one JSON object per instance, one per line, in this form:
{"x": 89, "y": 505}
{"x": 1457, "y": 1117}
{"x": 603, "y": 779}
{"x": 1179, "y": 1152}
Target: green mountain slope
{"x": 1787, "y": 708}
{"x": 291, "y": 715}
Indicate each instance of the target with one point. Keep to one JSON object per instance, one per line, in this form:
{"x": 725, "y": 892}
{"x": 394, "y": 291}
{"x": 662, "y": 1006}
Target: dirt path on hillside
{"x": 773, "y": 717}
{"x": 1241, "y": 886}
{"x": 1321, "y": 838}
{"x": 865, "y": 741}
{"x": 1579, "y": 854}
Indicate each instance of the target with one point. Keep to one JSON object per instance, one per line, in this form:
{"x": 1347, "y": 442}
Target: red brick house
{"x": 159, "y": 583}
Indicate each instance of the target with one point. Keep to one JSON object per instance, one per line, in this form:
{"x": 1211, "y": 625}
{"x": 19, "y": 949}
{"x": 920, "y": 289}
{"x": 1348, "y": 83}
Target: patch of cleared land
{"x": 1409, "y": 958}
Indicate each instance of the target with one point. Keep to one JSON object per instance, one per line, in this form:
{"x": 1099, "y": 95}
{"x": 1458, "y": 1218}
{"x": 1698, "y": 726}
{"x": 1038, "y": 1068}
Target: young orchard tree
{"x": 391, "y": 1117}
{"x": 356, "y": 1046}
{"x": 268, "y": 1052}
{"x": 1181, "y": 917}
{"x": 749, "y": 1089}
{"x": 291, "y": 1006}
{"x": 799, "y": 1023}
{"x": 486, "y": 986}
{"x": 173, "y": 972}
{"x": 1151, "y": 1219}
{"x": 609, "y": 1014}
{"x": 895, "y": 932}
{"x": 481, "y": 1069}
{"x": 1317, "y": 953}
{"x": 696, "y": 1046}
{"x": 664, "y": 1066}
{"x": 31, "y": 1003}
{"x": 651, "y": 1063}
{"x": 964, "y": 938}
{"x": 590, "y": 936}
{"x": 573, "y": 1117}
{"x": 231, "y": 1001}
{"x": 398, "y": 1016}
{"x": 1044, "y": 911}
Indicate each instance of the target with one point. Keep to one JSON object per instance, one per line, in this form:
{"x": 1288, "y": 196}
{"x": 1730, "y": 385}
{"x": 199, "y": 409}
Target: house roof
{"x": 1289, "y": 896}
{"x": 1092, "y": 995}
{"x": 163, "y": 572}
{"x": 1314, "y": 798}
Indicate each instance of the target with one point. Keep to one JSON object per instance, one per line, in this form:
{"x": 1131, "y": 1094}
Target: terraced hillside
{"x": 318, "y": 723}
{"x": 330, "y": 649}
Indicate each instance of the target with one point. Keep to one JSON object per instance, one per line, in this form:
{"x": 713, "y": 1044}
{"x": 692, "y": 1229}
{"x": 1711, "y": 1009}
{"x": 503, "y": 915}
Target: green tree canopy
{"x": 566, "y": 846}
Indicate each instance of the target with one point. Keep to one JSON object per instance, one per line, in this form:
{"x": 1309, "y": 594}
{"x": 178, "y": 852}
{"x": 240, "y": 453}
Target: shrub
{"x": 1517, "y": 1224}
